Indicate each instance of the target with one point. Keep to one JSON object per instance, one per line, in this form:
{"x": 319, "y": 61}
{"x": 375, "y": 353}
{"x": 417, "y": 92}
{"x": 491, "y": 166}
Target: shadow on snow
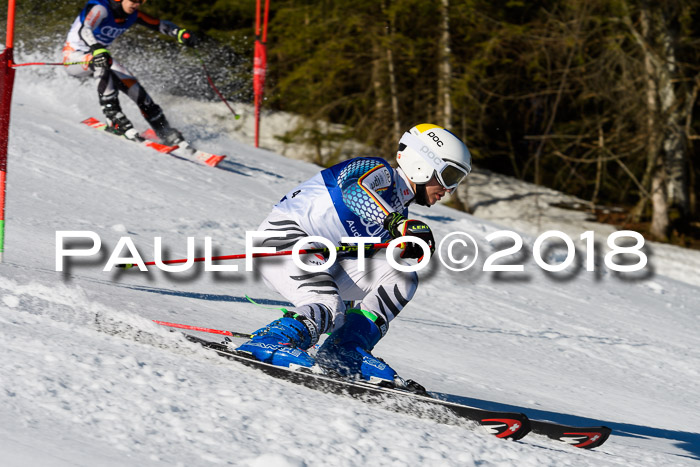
{"x": 207, "y": 296}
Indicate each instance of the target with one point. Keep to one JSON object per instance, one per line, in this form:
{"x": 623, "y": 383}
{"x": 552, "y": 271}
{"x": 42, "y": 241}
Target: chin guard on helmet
{"x": 427, "y": 150}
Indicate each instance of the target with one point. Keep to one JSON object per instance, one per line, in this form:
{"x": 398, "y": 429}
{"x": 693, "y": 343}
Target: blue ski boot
{"x": 347, "y": 350}
{"x": 283, "y": 342}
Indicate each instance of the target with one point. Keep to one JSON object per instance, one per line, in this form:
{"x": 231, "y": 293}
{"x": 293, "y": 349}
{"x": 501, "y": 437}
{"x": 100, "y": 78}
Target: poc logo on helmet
{"x": 431, "y": 155}
{"x": 435, "y": 138}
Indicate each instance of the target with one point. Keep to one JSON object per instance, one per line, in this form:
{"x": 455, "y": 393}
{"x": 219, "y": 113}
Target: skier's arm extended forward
{"x": 168, "y": 28}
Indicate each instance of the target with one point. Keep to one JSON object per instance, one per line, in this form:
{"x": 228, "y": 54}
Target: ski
{"x": 183, "y": 151}
{"x": 506, "y": 425}
{"x": 581, "y": 437}
{"x": 186, "y": 151}
{"x": 98, "y": 125}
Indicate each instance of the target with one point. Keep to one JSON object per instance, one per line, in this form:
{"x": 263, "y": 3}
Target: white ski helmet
{"x": 428, "y": 149}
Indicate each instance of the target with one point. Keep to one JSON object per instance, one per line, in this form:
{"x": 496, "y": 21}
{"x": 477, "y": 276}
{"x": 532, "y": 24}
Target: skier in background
{"x": 359, "y": 197}
{"x": 95, "y": 28}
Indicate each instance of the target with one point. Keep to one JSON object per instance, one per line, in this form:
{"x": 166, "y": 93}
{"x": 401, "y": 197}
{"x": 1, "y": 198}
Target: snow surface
{"x": 87, "y": 379}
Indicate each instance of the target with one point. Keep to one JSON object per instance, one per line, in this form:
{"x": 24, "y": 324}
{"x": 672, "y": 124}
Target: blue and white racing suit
{"x": 350, "y": 199}
{"x": 98, "y": 24}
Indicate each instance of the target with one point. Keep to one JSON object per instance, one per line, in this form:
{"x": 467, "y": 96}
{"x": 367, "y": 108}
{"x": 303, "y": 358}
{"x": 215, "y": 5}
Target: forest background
{"x": 595, "y": 98}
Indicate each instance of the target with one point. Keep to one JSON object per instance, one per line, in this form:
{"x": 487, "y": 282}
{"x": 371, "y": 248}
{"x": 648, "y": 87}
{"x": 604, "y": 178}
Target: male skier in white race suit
{"x": 359, "y": 197}
{"x": 99, "y": 23}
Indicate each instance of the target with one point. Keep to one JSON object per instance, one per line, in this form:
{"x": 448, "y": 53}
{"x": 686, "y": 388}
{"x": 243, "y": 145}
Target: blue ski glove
{"x": 187, "y": 38}
{"x": 101, "y": 57}
{"x": 399, "y": 226}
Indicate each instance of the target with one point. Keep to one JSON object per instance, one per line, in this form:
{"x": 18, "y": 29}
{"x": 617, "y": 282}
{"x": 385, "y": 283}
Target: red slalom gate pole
{"x": 260, "y": 64}
{"x": 7, "y": 80}
{"x": 17, "y": 65}
{"x": 343, "y": 249}
{"x": 213, "y": 86}
{"x": 200, "y": 329}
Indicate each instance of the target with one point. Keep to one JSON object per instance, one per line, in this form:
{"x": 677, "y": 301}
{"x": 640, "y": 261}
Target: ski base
{"x": 506, "y": 425}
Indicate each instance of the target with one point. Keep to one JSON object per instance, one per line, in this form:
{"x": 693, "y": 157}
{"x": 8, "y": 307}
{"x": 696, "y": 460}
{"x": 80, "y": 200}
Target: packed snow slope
{"x": 88, "y": 379}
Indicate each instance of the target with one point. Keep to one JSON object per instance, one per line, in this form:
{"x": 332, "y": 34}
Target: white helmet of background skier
{"x": 426, "y": 150}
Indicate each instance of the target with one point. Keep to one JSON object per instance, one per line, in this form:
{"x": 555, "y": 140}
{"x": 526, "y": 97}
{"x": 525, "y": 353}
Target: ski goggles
{"x": 451, "y": 175}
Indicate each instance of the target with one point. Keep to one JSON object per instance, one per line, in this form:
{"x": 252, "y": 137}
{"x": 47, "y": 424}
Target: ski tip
{"x": 581, "y": 437}
{"x": 587, "y": 439}
{"x": 212, "y": 160}
{"x": 125, "y": 265}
